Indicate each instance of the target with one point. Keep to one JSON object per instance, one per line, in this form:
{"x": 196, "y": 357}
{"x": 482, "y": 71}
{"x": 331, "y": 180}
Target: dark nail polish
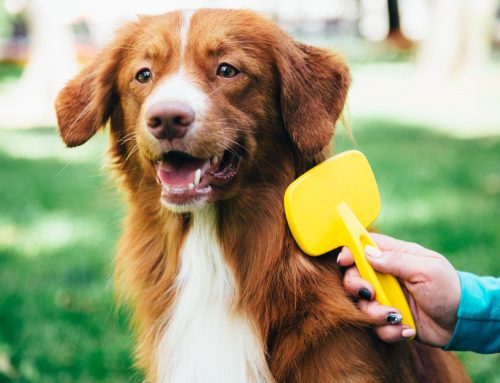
{"x": 394, "y": 318}
{"x": 364, "y": 293}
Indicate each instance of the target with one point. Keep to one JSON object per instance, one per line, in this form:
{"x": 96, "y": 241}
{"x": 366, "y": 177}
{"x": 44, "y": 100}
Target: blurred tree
{"x": 459, "y": 41}
{"x": 394, "y": 23}
{"x": 395, "y": 35}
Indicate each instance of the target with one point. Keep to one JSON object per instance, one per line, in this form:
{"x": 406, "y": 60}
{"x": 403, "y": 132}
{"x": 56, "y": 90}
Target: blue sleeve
{"x": 478, "y": 323}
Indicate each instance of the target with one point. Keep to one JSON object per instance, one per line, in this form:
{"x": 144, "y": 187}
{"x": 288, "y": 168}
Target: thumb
{"x": 402, "y": 265}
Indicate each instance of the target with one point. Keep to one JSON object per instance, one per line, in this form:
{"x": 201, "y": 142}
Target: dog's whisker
{"x": 128, "y": 140}
{"x": 236, "y": 143}
{"x": 134, "y": 149}
{"x": 230, "y": 148}
{"x": 215, "y": 90}
{"x": 128, "y": 136}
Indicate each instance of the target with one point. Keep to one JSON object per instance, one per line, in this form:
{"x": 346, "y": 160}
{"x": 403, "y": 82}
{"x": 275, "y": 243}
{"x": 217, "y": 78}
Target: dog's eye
{"x": 227, "y": 71}
{"x": 144, "y": 75}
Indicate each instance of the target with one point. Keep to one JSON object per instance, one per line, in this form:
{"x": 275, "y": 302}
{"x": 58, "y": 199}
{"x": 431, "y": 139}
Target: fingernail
{"x": 339, "y": 257}
{"x": 372, "y": 251}
{"x": 394, "y": 318}
{"x": 364, "y": 293}
{"x": 408, "y": 333}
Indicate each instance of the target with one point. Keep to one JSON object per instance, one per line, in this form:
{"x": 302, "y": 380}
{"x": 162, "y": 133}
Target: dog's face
{"x": 201, "y": 101}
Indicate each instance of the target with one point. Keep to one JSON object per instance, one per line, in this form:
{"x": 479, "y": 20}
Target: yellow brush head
{"x": 330, "y": 206}
{"x": 311, "y": 201}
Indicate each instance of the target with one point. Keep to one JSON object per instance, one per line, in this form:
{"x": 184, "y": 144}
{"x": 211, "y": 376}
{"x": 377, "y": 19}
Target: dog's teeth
{"x": 158, "y": 181}
{"x": 178, "y": 190}
{"x": 197, "y": 177}
{"x": 214, "y": 160}
{"x": 166, "y": 188}
{"x": 191, "y": 186}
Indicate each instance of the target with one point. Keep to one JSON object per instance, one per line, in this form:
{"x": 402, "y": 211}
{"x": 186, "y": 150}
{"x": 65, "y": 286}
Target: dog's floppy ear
{"x": 313, "y": 89}
{"x": 86, "y": 102}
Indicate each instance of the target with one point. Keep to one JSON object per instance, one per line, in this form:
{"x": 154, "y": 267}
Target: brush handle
{"x": 388, "y": 291}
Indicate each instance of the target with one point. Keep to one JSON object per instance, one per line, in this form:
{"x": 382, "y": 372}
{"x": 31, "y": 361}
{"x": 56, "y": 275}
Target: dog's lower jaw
{"x": 206, "y": 339}
{"x": 193, "y": 206}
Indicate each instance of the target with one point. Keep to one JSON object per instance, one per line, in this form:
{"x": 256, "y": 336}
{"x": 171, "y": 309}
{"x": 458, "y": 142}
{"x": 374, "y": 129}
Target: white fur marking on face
{"x": 179, "y": 87}
{"x": 186, "y": 23}
{"x": 206, "y": 340}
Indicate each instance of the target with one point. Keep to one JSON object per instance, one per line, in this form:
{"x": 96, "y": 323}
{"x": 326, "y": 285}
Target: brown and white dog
{"x": 212, "y": 114}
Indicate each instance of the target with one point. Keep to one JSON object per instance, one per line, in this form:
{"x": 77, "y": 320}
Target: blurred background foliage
{"x": 425, "y": 114}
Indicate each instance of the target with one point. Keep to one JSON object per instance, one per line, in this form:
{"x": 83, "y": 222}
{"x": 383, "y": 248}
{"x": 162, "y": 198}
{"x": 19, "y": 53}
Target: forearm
{"x": 478, "y": 322}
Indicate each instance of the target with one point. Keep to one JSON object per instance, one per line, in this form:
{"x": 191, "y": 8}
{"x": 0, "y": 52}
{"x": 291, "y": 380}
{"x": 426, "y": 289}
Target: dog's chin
{"x": 189, "y": 183}
{"x": 190, "y": 207}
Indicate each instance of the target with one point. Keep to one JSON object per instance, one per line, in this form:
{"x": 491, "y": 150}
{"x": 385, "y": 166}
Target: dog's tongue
{"x": 178, "y": 169}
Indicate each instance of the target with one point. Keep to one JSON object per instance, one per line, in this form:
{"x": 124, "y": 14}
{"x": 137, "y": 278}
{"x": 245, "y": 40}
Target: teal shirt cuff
{"x": 478, "y": 324}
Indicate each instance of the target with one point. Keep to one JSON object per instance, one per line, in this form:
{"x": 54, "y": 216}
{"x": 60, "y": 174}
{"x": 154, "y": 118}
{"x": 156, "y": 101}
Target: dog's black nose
{"x": 169, "y": 120}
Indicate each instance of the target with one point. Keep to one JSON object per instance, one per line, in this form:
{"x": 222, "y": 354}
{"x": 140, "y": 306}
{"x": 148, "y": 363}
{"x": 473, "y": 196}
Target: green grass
{"x": 60, "y": 218}
{"x": 10, "y": 71}
{"x": 59, "y": 221}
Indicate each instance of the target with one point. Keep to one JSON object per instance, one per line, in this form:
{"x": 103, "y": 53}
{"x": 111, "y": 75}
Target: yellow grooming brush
{"x": 330, "y": 206}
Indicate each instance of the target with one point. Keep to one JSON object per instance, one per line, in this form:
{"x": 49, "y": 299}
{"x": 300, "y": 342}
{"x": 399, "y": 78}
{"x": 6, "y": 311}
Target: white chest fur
{"x": 206, "y": 340}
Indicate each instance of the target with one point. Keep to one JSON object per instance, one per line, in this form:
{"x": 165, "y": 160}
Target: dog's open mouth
{"x": 185, "y": 178}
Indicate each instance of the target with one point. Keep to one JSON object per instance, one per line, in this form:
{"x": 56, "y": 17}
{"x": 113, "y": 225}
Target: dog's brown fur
{"x": 284, "y": 113}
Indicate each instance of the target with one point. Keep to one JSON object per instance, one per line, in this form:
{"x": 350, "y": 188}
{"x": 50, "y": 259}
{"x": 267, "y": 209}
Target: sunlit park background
{"x": 424, "y": 107}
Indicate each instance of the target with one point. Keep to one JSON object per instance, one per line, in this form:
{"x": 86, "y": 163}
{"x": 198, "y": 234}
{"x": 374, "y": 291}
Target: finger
{"x": 394, "y": 333}
{"x": 380, "y": 315}
{"x": 404, "y": 266}
{"x": 345, "y": 258}
{"x": 357, "y": 286}
{"x": 387, "y": 243}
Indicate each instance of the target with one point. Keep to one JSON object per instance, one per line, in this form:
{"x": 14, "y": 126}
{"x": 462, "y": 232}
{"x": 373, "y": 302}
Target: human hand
{"x": 431, "y": 285}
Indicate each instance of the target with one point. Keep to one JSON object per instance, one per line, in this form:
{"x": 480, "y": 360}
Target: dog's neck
{"x": 207, "y": 337}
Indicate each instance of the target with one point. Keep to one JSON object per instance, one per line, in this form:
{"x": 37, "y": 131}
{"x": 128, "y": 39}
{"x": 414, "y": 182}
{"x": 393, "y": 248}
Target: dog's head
{"x": 202, "y": 100}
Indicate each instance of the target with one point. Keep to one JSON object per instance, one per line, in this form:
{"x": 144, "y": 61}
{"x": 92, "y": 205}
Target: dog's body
{"x": 214, "y": 113}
